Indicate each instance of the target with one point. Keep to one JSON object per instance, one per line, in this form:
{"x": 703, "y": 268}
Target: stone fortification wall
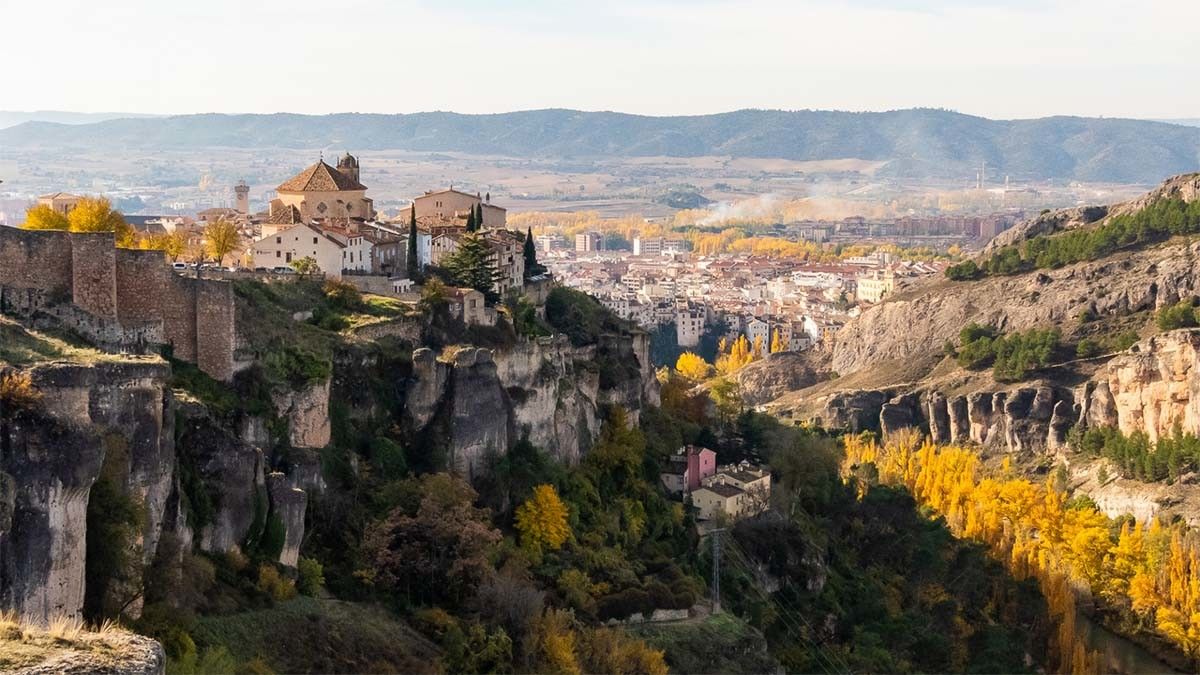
{"x": 123, "y": 300}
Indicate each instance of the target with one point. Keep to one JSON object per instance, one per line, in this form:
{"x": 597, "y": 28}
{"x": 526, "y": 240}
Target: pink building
{"x": 687, "y": 468}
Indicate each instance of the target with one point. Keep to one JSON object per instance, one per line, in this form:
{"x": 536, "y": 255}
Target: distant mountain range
{"x": 916, "y": 143}
{"x": 11, "y": 118}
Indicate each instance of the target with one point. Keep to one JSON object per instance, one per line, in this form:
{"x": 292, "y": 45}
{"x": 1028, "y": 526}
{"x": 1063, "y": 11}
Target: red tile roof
{"x": 320, "y": 177}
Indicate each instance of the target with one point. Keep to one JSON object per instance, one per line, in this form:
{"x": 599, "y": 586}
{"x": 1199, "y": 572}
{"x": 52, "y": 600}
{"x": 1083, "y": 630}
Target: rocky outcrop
{"x": 1153, "y": 387}
{"x": 114, "y": 416}
{"x": 775, "y": 375}
{"x": 223, "y": 480}
{"x": 288, "y": 504}
{"x": 554, "y": 398}
{"x": 545, "y": 388}
{"x": 307, "y": 413}
{"x": 113, "y": 651}
{"x": 479, "y": 413}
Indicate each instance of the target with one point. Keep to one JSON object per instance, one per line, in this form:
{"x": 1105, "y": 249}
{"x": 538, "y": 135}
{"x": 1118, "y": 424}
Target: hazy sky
{"x": 998, "y": 58}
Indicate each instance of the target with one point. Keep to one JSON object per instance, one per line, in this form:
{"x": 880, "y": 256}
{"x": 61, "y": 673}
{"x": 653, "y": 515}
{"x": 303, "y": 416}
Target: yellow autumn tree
{"x": 778, "y": 342}
{"x": 738, "y": 356}
{"x": 42, "y": 217}
{"x": 554, "y": 638}
{"x": 692, "y": 366}
{"x": 221, "y": 238}
{"x": 96, "y": 214}
{"x": 542, "y": 520}
{"x": 1037, "y": 533}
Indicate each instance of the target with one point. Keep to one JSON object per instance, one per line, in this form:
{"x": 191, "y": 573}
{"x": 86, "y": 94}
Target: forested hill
{"x": 916, "y": 143}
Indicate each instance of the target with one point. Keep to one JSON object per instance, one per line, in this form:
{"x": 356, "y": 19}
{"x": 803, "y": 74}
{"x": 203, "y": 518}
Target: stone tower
{"x": 348, "y": 165}
{"x": 243, "y": 197}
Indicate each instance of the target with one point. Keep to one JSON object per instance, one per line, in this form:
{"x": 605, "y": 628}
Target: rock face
{"x": 1152, "y": 387}
{"x": 545, "y": 388}
{"x": 774, "y": 375}
{"x": 110, "y": 415}
{"x": 307, "y": 414}
{"x": 288, "y": 504}
{"x": 216, "y": 479}
{"x": 916, "y": 324}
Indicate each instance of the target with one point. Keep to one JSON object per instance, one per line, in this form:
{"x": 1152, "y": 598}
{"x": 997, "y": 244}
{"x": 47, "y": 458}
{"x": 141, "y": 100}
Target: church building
{"x": 323, "y": 193}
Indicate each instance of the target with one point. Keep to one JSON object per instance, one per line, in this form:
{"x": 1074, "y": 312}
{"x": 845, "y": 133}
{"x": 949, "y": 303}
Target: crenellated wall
{"x": 124, "y": 300}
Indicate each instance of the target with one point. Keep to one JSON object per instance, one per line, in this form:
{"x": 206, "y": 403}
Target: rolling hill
{"x": 916, "y": 143}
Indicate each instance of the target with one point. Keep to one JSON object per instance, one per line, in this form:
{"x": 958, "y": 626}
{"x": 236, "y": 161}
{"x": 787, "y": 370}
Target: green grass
{"x": 717, "y": 644}
{"x": 21, "y": 347}
{"x": 320, "y": 636}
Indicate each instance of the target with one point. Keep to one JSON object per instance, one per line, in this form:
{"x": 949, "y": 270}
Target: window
{"x": 278, "y": 240}
{"x": 314, "y": 240}
{"x": 278, "y": 254}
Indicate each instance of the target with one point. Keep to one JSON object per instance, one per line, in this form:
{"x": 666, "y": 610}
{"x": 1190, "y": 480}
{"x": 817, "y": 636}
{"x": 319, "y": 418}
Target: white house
{"x": 300, "y": 241}
{"x": 356, "y": 257}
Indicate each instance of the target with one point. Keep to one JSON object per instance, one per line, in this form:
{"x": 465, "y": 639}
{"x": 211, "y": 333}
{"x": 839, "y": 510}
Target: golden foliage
{"x": 740, "y": 354}
{"x": 778, "y": 342}
{"x": 96, "y": 214}
{"x": 221, "y": 238}
{"x": 1037, "y": 534}
{"x": 42, "y": 217}
{"x": 692, "y": 366}
{"x": 17, "y": 393}
{"x": 542, "y": 520}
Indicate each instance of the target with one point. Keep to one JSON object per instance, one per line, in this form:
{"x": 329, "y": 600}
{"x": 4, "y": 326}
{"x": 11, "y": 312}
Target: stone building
{"x": 455, "y": 204}
{"x": 322, "y": 192}
{"x": 61, "y": 202}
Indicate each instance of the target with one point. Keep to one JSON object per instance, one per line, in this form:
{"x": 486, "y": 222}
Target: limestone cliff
{"x": 217, "y": 473}
{"x": 545, "y": 388}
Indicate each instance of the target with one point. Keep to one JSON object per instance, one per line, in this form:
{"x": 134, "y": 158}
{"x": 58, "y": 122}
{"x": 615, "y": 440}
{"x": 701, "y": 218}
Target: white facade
{"x": 300, "y": 241}
{"x": 356, "y": 257}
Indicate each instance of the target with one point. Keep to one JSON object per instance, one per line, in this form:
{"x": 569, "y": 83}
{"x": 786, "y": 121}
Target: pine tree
{"x": 411, "y": 261}
{"x": 471, "y": 266}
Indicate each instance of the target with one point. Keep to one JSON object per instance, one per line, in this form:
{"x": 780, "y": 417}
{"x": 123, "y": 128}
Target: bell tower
{"x": 348, "y": 165}
{"x": 243, "y": 197}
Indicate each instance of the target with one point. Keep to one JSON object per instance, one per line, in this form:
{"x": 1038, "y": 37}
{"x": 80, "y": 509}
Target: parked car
{"x": 179, "y": 266}
{"x": 283, "y": 270}
{"x": 262, "y": 269}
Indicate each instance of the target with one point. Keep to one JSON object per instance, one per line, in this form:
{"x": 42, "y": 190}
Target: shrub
{"x": 624, "y": 604}
{"x": 296, "y": 366}
{"x": 311, "y": 576}
{"x": 963, "y": 271}
{"x": 1180, "y": 315}
{"x": 17, "y": 394}
{"x": 342, "y": 295}
{"x": 1088, "y": 348}
{"x": 274, "y": 584}
{"x": 388, "y": 458}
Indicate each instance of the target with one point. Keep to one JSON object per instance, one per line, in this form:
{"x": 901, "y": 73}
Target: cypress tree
{"x": 471, "y": 225}
{"x": 413, "y": 268}
{"x": 479, "y": 216}
{"x": 532, "y": 268}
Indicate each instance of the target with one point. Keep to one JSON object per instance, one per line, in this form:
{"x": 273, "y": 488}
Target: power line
{"x": 791, "y": 617}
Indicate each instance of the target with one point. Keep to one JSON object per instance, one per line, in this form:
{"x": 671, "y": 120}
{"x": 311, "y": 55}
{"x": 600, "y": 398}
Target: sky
{"x": 995, "y": 58}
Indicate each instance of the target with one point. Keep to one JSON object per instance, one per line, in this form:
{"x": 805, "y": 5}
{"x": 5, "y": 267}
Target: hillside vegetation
{"x": 916, "y": 143}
